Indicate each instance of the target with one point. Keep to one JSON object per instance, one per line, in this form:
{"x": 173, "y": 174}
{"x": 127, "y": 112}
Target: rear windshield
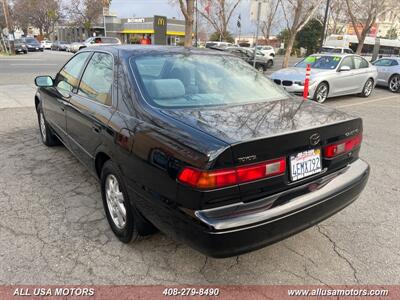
{"x": 201, "y": 80}
{"x": 320, "y": 62}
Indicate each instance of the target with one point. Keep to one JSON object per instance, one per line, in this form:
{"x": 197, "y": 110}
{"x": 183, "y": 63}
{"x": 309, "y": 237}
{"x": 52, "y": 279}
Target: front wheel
{"x": 270, "y": 63}
{"x": 394, "y": 83}
{"x": 368, "y": 87}
{"x": 321, "y": 93}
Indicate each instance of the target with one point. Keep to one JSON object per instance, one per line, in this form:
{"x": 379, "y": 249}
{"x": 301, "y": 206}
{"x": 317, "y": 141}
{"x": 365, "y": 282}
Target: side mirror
{"x": 44, "y": 81}
{"x": 344, "y": 68}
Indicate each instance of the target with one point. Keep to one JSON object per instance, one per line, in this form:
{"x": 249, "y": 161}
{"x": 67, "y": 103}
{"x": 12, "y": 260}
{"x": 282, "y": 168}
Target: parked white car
{"x": 46, "y": 44}
{"x": 339, "y": 50}
{"x": 331, "y": 75}
{"x": 267, "y": 51}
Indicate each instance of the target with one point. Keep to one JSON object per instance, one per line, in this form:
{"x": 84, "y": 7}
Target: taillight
{"x": 212, "y": 179}
{"x": 342, "y": 146}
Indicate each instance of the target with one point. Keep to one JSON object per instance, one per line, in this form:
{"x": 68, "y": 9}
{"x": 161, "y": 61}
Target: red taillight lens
{"x": 226, "y": 177}
{"x": 342, "y": 147}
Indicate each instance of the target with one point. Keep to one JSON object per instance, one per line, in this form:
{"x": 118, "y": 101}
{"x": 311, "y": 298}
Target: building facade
{"x": 129, "y": 30}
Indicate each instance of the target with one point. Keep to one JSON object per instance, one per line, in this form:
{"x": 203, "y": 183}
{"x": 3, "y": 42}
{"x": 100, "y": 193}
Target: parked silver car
{"x": 389, "y": 73}
{"x": 94, "y": 41}
{"x": 331, "y": 75}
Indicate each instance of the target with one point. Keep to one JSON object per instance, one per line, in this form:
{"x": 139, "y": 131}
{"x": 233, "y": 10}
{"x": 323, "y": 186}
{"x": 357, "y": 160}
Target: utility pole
{"x": 257, "y": 31}
{"x": 325, "y": 22}
{"x": 9, "y": 29}
{"x": 197, "y": 27}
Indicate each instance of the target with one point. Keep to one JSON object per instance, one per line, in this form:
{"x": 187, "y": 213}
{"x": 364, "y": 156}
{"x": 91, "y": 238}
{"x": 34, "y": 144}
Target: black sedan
{"x": 32, "y": 44}
{"x": 20, "y": 46}
{"x": 200, "y": 145}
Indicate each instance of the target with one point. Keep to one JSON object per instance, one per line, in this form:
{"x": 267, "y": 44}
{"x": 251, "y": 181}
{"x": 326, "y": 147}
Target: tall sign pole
{"x": 257, "y": 31}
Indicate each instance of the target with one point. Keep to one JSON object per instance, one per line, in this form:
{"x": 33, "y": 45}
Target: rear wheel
{"x": 321, "y": 93}
{"x": 116, "y": 204}
{"x": 394, "y": 83}
{"x": 368, "y": 87}
{"x": 46, "y": 133}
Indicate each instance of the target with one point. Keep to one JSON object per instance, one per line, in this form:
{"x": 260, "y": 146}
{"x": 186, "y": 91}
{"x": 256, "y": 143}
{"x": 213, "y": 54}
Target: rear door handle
{"x": 96, "y": 128}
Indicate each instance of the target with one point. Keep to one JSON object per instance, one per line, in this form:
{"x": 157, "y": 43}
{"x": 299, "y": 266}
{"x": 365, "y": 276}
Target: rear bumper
{"x": 243, "y": 227}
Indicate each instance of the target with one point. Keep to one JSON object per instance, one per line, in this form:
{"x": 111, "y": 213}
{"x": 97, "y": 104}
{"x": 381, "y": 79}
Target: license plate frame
{"x": 309, "y": 160}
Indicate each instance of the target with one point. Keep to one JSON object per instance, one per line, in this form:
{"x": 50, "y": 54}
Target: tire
{"x": 321, "y": 93}
{"x": 367, "y": 89}
{"x": 394, "y": 83}
{"x": 117, "y": 205}
{"x": 260, "y": 68}
{"x": 270, "y": 63}
{"x": 46, "y": 133}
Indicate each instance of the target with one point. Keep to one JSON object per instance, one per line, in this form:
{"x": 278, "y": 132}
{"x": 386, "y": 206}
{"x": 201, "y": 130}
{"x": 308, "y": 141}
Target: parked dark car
{"x": 32, "y": 44}
{"x": 59, "y": 46}
{"x": 263, "y": 62}
{"x": 20, "y": 46}
{"x": 200, "y": 145}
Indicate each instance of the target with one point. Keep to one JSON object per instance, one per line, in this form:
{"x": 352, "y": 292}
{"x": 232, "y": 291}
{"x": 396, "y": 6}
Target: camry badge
{"x": 315, "y": 139}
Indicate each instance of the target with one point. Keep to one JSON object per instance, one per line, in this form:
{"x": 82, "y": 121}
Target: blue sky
{"x": 147, "y": 8}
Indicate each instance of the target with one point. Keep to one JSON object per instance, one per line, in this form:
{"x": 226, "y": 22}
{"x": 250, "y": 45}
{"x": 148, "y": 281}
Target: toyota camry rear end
{"x": 231, "y": 162}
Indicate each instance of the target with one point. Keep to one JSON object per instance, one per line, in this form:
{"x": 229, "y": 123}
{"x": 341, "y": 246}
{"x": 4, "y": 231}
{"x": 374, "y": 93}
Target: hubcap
{"x": 115, "y": 201}
{"x": 42, "y": 126}
{"x": 368, "y": 88}
{"x": 322, "y": 93}
{"x": 394, "y": 84}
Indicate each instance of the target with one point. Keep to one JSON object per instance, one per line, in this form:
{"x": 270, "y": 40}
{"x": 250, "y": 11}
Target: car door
{"x": 91, "y": 107}
{"x": 343, "y": 81}
{"x": 384, "y": 70}
{"x": 362, "y": 72}
{"x": 56, "y": 99}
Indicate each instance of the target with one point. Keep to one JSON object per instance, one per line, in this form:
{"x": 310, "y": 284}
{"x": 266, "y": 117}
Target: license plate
{"x": 305, "y": 164}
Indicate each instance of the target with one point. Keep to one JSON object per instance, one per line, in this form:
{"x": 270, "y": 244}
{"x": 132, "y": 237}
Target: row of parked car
{"x": 30, "y": 44}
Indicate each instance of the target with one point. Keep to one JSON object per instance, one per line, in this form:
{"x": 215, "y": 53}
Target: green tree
{"x": 309, "y": 36}
{"x": 392, "y": 34}
{"x": 216, "y": 36}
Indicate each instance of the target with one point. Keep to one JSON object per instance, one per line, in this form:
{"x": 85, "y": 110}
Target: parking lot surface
{"x": 53, "y": 229}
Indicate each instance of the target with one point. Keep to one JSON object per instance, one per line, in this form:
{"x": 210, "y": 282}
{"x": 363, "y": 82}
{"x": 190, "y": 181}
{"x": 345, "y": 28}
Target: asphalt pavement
{"x": 53, "y": 229}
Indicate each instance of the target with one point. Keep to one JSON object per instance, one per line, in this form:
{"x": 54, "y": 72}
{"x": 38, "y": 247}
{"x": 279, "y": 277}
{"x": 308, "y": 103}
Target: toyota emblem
{"x": 315, "y": 139}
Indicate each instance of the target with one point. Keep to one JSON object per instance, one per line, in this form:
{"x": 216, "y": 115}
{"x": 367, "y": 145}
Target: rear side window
{"x": 68, "y": 78}
{"x": 383, "y": 63}
{"x": 109, "y": 40}
{"x": 360, "y": 63}
{"x": 394, "y": 63}
{"x": 96, "y": 83}
{"x": 348, "y": 61}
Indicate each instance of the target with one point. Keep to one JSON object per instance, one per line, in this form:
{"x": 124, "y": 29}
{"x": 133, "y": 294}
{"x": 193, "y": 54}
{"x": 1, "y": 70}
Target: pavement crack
{"x": 335, "y": 249}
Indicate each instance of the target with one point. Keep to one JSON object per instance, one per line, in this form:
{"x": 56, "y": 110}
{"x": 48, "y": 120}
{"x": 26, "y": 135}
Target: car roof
{"x": 129, "y": 50}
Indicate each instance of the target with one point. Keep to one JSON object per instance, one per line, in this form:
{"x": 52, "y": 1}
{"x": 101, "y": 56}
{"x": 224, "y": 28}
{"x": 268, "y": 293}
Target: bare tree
{"x": 218, "y": 14}
{"x": 187, "y": 8}
{"x": 42, "y": 14}
{"x": 363, "y": 15}
{"x": 85, "y": 13}
{"x": 297, "y": 13}
{"x": 267, "y": 24}
{"x": 338, "y": 17}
